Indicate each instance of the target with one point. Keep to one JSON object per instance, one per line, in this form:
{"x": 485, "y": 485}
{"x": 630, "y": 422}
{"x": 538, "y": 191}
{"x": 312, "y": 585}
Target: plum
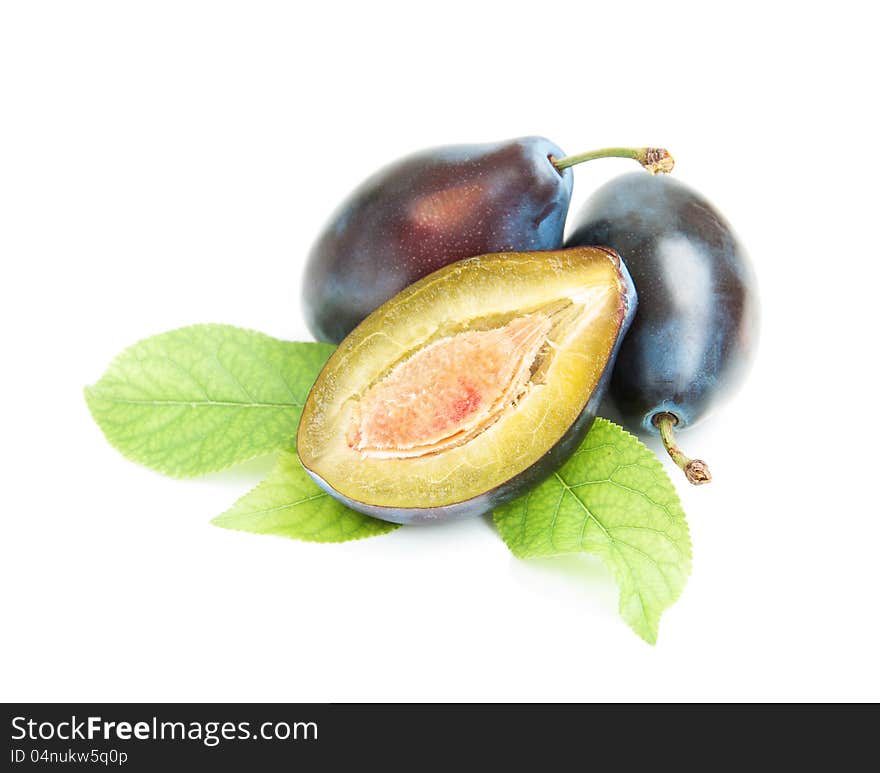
{"x": 469, "y": 386}
{"x": 433, "y": 208}
{"x": 696, "y": 327}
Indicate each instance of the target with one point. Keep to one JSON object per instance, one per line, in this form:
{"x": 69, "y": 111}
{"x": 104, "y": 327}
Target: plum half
{"x": 468, "y": 387}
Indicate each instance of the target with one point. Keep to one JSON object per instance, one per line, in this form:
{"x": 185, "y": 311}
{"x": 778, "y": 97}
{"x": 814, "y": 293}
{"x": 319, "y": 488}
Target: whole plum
{"x": 696, "y": 327}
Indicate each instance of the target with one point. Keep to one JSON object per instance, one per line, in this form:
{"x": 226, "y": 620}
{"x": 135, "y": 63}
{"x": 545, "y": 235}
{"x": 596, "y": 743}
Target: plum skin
{"x": 426, "y": 211}
{"x": 522, "y": 482}
{"x": 695, "y": 332}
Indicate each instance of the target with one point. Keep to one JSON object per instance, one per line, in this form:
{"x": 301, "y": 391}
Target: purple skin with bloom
{"x": 696, "y": 327}
{"x": 426, "y": 211}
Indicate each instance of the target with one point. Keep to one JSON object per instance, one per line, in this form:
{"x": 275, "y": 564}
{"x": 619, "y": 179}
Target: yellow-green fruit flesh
{"x": 455, "y": 394}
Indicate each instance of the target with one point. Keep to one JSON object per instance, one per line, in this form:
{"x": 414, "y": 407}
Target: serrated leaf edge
{"x": 650, "y": 633}
{"x": 215, "y": 521}
{"x": 171, "y": 471}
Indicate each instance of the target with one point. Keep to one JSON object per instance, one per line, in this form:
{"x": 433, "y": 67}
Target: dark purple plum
{"x": 470, "y": 386}
{"x": 433, "y": 208}
{"x": 696, "y": 327}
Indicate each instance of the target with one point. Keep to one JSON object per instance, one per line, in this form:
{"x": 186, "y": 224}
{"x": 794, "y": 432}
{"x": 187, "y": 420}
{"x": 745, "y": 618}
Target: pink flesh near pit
{"x": 448, "y": 392}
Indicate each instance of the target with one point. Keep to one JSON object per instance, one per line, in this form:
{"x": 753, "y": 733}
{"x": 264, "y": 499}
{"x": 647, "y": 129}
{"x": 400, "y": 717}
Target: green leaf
{"x": 612, "y": 499}
{"x": 202, "y": 398}
{"x": 290, "y": 504}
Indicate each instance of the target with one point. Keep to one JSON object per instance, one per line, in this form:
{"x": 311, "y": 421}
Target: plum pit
{"x": 448, "y": 392}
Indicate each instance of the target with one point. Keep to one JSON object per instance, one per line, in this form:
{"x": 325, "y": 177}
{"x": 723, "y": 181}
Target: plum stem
{"x": 653, "y": 159}
{"x": 696, "y": 470}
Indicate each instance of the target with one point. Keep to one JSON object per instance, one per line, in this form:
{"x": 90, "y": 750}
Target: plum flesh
{"x": 468, "y": 387}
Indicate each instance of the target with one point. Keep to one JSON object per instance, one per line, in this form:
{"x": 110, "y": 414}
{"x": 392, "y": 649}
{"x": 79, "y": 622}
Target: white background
{"x": 165, "y": 163}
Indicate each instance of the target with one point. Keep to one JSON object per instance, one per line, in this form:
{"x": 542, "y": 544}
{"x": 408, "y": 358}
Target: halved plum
{"x": 468, "y": 387}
